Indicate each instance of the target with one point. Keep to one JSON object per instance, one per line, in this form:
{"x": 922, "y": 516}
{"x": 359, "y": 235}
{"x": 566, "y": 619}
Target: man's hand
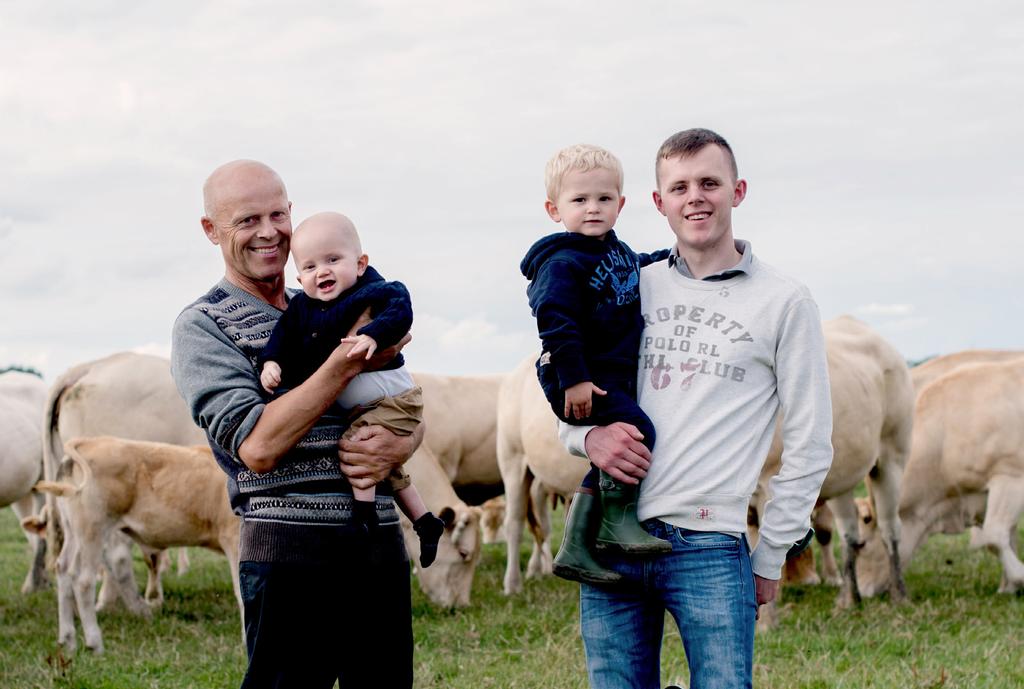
{"x": 271, "y": 376}
{"x": 360, "y": 344}
{"x": 616, "y": 450}
{"x": 369, "y": 455}
{"x": 766, "y": 590}
{"x": 579, "y": 400}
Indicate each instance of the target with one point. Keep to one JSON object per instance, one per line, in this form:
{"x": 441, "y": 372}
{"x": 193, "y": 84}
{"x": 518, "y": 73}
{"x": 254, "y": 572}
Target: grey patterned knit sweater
{"x": 215, "y": 345}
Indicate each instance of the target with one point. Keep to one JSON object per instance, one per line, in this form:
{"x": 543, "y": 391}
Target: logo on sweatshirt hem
{"x": 705, "y": 514}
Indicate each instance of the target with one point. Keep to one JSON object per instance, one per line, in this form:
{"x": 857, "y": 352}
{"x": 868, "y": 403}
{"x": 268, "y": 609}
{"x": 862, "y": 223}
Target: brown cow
{"x": 161, "y": 495}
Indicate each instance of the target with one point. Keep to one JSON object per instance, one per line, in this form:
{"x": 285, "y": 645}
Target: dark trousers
{"x": 618, "y": 405}
{"x": 348, "y": 619}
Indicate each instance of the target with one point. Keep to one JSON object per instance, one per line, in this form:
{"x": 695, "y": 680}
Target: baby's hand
{"x": 360, "y": 344}
{"x": 271, "y": 376}
{"x": 578, "y": 403}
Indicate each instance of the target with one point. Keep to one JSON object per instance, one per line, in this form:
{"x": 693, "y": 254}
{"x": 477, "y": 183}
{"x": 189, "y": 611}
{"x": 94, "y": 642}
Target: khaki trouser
{"x": 400, "y": 415}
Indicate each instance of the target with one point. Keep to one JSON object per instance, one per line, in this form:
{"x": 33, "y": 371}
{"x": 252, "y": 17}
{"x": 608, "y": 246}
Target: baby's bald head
{"x": 326, "y": 226}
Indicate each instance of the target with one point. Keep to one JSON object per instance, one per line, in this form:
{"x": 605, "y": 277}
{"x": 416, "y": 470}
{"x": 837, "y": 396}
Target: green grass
{"x": 958, "y": 632}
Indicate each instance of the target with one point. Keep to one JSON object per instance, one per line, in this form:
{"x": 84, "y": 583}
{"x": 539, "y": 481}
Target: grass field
{"x": 958, "y": 632}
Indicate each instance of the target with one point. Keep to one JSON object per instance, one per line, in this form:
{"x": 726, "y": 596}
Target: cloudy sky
{"x": 881, "y": 142}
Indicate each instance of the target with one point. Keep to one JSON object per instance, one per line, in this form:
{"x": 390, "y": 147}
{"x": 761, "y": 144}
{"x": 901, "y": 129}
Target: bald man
{"x": 301, "y": 555}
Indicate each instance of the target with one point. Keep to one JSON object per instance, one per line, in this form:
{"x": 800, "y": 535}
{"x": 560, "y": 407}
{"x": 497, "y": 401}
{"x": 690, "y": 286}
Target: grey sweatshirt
{"x": 717, "y": 361}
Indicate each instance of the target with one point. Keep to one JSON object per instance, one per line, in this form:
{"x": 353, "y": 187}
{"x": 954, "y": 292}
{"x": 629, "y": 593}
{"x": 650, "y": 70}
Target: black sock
{"x": 365, "y": 513}
{"x": 429, "y": 528}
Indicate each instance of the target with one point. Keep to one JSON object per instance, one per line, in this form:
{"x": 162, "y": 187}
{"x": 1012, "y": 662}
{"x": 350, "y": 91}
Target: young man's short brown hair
{"x": 690, "y": 141}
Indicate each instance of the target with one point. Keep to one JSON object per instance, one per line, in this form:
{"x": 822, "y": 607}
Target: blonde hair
{"x": 581, "y": 158}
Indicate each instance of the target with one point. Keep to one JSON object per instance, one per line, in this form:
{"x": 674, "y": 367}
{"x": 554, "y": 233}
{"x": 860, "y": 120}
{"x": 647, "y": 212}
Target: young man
{"x": 728, "y": 343}
{"x": 301, "y": 555}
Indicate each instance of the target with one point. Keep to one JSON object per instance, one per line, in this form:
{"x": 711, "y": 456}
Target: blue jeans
{"x": 705, "y": 583}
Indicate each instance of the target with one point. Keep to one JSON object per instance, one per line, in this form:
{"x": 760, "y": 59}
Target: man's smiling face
{"x": 697, "y": 194}
{"x": 251, "y": 222}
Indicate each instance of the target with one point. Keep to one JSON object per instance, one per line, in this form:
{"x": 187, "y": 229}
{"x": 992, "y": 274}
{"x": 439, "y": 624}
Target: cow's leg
{"x": 117, "y": 556}
{"x": 824, "y": 524}
{"x": 157, "y": 562}
{"x": 845, "y": 511}
{"x": 540, "y": 525}
{"x": 516, "y": 499}
{"x": 85, "y": 569}
{"x": 64, "y": 567}
{"x": 28, "y": 506}
{"x": 183, "y": 563}
{"x": 883, "y": 483}
{"x": 1003, "y": 511}
{"x": 1004, "y": 583}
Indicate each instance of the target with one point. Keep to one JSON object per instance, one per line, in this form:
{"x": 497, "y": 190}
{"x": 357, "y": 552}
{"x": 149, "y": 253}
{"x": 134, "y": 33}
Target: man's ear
{"x": 361, "y": 264}
{"x": 656, "y": 195}
{"x": 209, "y": 229}
{"x": 552, "y": 210}
{"x": 739, "y": 193}
{"x": 622, "y": 202}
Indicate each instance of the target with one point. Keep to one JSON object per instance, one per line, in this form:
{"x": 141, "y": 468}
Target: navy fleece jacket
{"x": 309, "y": 330}
{"x": 584, "y": 292}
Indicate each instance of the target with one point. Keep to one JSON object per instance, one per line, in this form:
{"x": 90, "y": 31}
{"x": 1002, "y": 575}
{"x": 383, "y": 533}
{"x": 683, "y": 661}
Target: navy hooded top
{"x": 585, "y": 295}
{"x": 309, "y": 330}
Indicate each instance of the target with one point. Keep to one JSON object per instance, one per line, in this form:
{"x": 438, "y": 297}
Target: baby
{"x": 338, "y": 286}
{"x": 584, "y": 292}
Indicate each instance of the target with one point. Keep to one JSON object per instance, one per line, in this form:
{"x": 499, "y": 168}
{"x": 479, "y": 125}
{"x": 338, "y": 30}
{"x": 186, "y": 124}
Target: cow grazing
{"x": 21, "y": 458}
{"x": 966, "y": 468}
{"x": 492, "y": 520}
{"x": 872, "y": 407}
{"x": 457, "y": 452}
{"x": 161, "y": 495}
{"x": 533, "y": 465}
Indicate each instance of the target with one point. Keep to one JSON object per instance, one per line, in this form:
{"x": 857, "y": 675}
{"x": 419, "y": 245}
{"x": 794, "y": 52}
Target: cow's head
{"x": 492, "y": 519}
{"x": 447, "y": 582}
{"x": 873, "y": 559}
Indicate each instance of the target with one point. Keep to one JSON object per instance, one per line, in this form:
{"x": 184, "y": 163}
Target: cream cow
{"x": 21, "y": 458}
{"x": 872, "y": 407}
{"x": 457, "y": 452}
{"x": 966, "y": 468}
{"x": 939, "y": 366}
{"x": 823, "y": 523}
{"x": 162, "y": 495}
{"x": 127, "y": 395}
{"x": 533, "y": 465}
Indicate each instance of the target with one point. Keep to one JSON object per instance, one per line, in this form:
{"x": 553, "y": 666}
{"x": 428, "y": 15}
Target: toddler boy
{"x": 338, "y": 285}
{"x": 584, "y": 292}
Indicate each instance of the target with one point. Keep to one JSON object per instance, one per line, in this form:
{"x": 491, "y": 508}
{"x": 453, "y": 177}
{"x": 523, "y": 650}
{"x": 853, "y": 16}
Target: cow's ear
{"x": 447, "y": 515}
{"x": 34, "y": 524}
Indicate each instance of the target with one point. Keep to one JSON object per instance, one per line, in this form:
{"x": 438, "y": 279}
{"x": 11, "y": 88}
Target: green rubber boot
{"x": 620, "y": 528}
{"x": 574, "y": 561}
